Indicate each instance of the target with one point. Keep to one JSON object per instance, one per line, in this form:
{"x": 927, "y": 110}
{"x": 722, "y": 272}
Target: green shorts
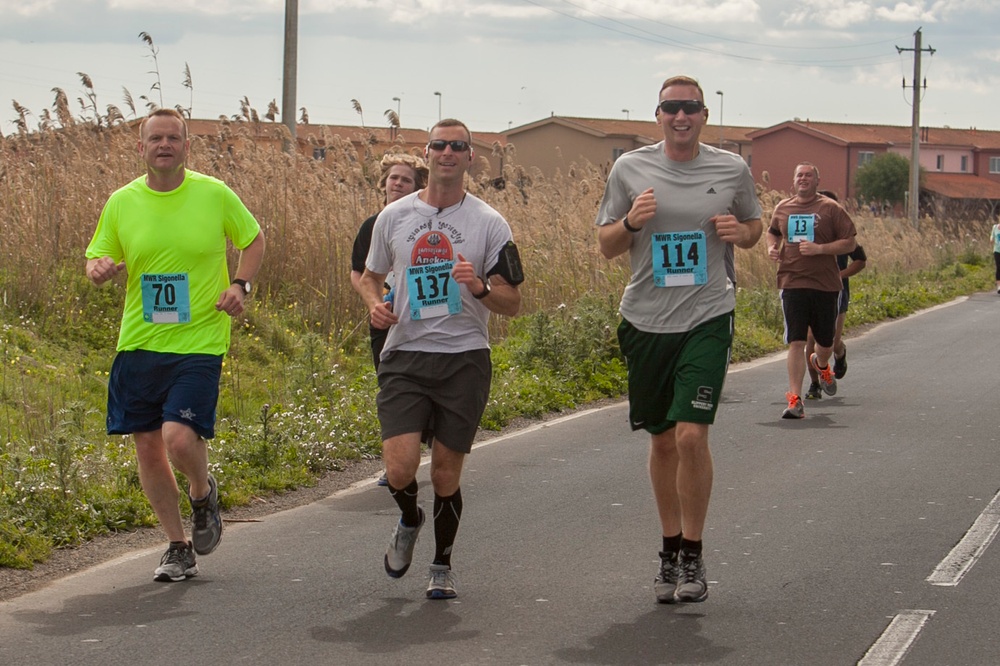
{"x": 674, "y": 377}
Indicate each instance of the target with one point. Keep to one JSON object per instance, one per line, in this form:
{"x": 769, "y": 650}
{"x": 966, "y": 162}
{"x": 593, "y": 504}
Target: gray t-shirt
{"x": 689, "y": 256}
{"x": 409, "y": 238}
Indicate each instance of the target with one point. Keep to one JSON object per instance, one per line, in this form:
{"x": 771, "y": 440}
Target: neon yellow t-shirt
{"x": 174, "y": 248}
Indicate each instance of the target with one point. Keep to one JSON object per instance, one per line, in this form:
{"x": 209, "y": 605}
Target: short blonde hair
{"x": 415, "y": 163}
{"x": 683, "y": 81}
{"x": 167, "y": 112}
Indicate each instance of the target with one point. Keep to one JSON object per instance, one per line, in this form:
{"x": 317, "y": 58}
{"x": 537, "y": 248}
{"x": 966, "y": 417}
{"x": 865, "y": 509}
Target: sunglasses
{"x": 688, "y": 106}
{"x": 456, "y": 146}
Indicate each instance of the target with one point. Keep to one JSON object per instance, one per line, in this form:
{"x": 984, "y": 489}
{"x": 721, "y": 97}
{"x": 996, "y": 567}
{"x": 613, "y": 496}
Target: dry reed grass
{"x": 53, "y": 184}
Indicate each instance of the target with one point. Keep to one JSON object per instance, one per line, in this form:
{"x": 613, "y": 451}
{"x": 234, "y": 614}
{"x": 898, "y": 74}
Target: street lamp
{"x": 625, "y": 111}
{"x": 439, "y": 105}
{"x": 398, "y": 102}
{"x": 722, "y": 110}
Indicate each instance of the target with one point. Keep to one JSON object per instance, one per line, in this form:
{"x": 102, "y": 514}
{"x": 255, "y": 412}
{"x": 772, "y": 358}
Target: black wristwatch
{"x": 629, "y": 227}
{"x": 244, "y": 285}
{"x": 486, "y": 290}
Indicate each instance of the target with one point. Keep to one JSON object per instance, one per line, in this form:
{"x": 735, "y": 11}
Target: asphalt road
{"x": 822, "y": 536}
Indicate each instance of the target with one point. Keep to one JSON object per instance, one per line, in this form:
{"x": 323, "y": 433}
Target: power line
{"x": 656, "y": 38}
{"x": 741, "y": 41}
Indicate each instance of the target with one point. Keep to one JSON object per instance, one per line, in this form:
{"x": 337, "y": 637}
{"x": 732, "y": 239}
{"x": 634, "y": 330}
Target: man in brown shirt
{"x": 806, "y": 234}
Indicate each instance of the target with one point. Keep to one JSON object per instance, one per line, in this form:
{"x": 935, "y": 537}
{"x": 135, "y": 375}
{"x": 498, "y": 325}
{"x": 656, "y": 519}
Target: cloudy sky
{"x": 501, "y": 63}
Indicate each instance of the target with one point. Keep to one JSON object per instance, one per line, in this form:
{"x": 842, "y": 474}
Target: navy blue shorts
{"x": 844, "y": 300}
{"x": 147, "y": 388}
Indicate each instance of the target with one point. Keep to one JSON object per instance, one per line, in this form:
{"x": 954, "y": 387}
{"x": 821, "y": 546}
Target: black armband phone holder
{"x": 509, "y": 265}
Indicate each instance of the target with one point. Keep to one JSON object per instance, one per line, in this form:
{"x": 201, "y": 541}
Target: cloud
{"x": 906, "y": 12}
{"x": 830, "y": 13}
{"x": 18, "y": 8}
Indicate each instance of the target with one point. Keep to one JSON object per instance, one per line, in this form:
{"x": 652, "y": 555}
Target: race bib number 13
{"x": 680, "y": 259}
{"x": 165, "y": 298}
{"x": 432, "y": 291}
{"x": 801, "y": 227}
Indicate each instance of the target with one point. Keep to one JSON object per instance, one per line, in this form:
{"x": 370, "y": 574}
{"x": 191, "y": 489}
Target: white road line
{"x": 972, "y": 546}
{"x": 896, "y": 640}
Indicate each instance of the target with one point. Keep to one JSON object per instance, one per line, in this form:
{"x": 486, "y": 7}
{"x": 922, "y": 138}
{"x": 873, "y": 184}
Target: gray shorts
{"x": 418, "y": 390}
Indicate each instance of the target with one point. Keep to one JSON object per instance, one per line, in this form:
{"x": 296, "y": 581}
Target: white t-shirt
{"x": 436, "y": 314}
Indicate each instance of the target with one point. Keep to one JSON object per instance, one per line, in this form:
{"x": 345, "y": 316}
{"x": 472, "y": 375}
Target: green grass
{"x": 296, "y": 404}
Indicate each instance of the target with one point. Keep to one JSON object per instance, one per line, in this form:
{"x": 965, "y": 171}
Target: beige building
{"x": 556, "y": 142}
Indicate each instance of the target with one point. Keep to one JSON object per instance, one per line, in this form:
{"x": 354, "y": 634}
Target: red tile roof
{"x": 886, "y": 135}
{"x": 961, "y": 186}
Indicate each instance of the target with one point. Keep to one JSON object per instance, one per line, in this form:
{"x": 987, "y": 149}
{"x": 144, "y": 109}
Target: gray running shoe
{"x": 383, "y": 480}
{"x": 795, "y": 410}
{"x": 443, "y": 582}
{"x": 176, "y": 564}
{"x": 691, "y": 585}
{"x": 399, "y": 554}
{"x": 665, "y": 583}
{"x": 814, "y": 393}
{"x": 206, "y": 531}
{"x": 827, "y": 381}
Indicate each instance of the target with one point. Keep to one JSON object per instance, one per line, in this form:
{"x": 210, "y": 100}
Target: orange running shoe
{"x": 795, "y": 410}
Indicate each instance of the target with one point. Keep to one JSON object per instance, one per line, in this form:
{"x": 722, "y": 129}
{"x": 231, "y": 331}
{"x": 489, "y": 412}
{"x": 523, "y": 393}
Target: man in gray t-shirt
{"x": 676, "y": 207}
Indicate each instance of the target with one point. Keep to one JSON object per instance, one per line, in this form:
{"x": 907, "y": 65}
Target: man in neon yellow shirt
{"x": 167, "y": 231}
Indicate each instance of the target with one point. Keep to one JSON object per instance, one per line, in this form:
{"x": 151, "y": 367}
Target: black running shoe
{"x": 814, "y": 393}
{"x": 840, "y": 365}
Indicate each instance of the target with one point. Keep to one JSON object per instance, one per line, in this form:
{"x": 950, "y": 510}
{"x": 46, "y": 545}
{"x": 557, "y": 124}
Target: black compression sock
{"x": 406, "y": 499}
{"x": 447, "y": 514}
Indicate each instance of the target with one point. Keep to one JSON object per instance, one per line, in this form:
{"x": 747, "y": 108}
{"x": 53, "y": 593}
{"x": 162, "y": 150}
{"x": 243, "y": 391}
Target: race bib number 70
{"x": 165, "y": 298}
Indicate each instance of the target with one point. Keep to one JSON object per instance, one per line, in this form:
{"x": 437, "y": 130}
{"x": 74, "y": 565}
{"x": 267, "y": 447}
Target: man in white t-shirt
{"x": 454, "y": 262}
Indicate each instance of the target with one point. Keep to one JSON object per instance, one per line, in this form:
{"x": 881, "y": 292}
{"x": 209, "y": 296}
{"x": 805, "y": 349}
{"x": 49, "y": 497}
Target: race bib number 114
{"x": 680, "y": 259}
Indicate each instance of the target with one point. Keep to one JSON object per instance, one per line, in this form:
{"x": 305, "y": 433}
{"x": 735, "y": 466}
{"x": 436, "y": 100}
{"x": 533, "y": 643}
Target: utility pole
{"x": 290, "y": 70}
{"x": 913, "y": 204}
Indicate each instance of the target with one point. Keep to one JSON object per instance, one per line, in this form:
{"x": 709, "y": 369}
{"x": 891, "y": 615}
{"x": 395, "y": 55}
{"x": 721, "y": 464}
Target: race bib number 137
{"x": 432, "y": 291}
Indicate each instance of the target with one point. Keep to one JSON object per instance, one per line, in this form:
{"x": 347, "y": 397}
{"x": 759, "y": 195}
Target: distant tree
{"x": 886, "y": 179}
